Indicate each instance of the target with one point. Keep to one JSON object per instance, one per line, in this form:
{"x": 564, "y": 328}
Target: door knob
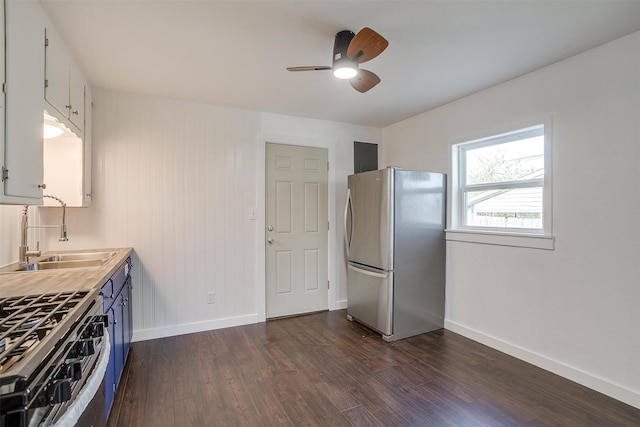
{"x": 270, "y": 228}
{"x": 270, "y": 241}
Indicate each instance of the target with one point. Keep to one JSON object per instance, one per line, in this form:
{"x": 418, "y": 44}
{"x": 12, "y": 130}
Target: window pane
{"x": 510, "y": 161}
{"x": 514, "y": 208}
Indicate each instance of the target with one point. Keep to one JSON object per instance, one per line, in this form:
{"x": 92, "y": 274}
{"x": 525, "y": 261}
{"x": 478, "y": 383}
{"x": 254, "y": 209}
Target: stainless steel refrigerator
{"x": 395, "y": 244}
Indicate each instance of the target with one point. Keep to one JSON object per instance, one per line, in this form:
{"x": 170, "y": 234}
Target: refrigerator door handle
{"x": 368, "y": 272}
{"x": 347, "y": 236}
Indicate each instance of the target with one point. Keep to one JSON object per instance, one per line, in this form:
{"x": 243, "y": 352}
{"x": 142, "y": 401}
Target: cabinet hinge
{"x": 328, "y": 225}
{"x": 327, "y": 166}
{"x": 5, "y": 174}
{"x": 4, "y": 87}
{"x": 46, "y": 83}
{"x": 328, "y": 284}
{"x": 46, "y": 41}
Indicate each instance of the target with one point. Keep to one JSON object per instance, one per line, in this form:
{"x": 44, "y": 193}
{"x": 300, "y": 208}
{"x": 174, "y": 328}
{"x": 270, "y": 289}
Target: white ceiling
{"x": 234, "y": 53}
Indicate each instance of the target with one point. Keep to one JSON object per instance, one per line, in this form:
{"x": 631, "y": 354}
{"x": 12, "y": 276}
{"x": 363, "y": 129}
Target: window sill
{"x": 502, "y": 239}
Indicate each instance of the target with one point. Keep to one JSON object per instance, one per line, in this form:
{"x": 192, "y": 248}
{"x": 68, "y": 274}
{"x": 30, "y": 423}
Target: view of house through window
{"x": 502, "y": 181}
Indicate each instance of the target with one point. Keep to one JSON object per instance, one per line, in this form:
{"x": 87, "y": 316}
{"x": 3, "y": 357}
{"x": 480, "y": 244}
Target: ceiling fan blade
{"x": 364, "y": 81}
{"x": 309, "y": 68}
{"x": 366, "y": 45}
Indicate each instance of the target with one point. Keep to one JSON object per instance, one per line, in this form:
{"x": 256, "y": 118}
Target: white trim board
{"x": 190, "y": 328}
{"x": 586, "y": 379}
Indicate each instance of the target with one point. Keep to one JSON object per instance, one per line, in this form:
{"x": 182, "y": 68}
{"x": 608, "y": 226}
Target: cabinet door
{"x": 2, "y": 97}
{"x": 88, "y": 103}
{"x": 77, "y": 105}
{"x": 57, "y": 61}
{"x": 110, "y": 374}
{"x": 24, "y": 63}
{"x": 118, "y": 348}
{"x": 126, "y": 319}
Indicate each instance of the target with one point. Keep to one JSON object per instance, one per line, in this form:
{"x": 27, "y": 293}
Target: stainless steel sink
{"x": 84, "y": 256}
{"x": 54, "y": 265}
{"x": 62, "y": 260}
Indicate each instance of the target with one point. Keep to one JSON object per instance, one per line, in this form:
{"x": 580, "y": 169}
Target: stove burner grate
{"x": 27, "y": 320}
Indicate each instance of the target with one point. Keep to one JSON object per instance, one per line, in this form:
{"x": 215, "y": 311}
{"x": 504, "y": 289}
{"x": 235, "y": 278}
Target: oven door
{"x": 88, "y": 407}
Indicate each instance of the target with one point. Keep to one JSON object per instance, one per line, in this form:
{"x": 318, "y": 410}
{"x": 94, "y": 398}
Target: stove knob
{"x": 83, "y": 348}
{"x": 98, "y": 329}
{"x": 70, "y": 370}
{"x": 75, "y": 371}
{"x": 94, "y": 330}
{"x": 58, "y": 391}
{"x": 88, "y": 348}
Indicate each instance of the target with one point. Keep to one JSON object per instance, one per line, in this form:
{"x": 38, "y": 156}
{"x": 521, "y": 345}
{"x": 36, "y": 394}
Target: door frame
{"x": 261, "y": 266}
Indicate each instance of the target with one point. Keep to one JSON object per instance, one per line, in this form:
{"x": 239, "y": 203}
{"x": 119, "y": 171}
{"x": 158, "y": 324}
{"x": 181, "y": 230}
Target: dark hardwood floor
{"x": 323, "y": 370}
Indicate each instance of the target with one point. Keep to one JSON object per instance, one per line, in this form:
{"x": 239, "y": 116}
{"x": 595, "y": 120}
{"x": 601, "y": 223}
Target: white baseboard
{"x": 189, "y": 328}
{"x": 586, "y": 379}
{"x": 209, "y": 325}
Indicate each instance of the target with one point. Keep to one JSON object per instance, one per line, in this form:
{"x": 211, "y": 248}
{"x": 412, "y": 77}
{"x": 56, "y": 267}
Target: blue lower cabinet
{"x": 118, "y": 348}
{"x": 110, "y": 374}
{"x": 127, "y": 321}
{"x": 116, "y": 294}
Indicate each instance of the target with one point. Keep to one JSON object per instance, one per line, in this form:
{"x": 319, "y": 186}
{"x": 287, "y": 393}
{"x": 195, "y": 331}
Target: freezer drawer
{"x": 370, "y": 297}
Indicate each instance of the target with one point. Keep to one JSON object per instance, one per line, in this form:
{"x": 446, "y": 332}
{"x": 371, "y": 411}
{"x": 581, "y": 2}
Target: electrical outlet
{"x": 211, "y": 297}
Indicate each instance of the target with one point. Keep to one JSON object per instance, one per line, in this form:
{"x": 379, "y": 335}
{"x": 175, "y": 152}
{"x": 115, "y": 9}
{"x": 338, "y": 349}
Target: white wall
{"x": 9, "y": 233}
{"x": 176, "y": 181}
{"x": 573, "y": 310}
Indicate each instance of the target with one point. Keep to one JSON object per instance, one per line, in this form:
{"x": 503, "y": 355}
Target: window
{"x": 501, "y": 185}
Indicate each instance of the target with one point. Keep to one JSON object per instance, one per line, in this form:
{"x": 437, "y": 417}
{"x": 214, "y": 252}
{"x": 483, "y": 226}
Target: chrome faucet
{"x": 23, "y": 250}
{"x": 63, "y": 226}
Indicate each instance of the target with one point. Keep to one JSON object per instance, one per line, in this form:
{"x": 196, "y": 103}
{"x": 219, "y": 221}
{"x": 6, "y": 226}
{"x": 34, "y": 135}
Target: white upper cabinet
{"x": 39, "y": 74}
{"x": 86, "y": 189}
{"x": 2, "y": 96}
{"x": 64, "y": 82}
{"x": 67, "y": 158}
{"x": 21, "y": 156}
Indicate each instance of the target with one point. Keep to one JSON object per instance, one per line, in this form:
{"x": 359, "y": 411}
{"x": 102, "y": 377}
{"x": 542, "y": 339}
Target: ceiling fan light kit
{"x": 350, "y": 50}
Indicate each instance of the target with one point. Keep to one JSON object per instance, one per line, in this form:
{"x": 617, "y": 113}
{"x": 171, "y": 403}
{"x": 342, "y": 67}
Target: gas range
{"x": 48, "y": 346}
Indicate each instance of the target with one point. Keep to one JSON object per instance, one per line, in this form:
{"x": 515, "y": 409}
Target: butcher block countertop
{"x": 64, "y": 279}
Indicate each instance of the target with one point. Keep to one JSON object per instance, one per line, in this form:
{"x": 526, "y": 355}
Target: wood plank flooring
{"x": 322, "y": 370}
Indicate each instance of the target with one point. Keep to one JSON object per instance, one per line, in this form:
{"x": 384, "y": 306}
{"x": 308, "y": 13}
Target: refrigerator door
{"x": 369, "y": 219}
{"x": 420, "y": 247}
{"x": 370, "y": 294}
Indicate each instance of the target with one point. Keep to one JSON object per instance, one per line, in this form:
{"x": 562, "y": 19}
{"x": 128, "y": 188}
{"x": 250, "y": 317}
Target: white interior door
{"x": 296, "y": 237}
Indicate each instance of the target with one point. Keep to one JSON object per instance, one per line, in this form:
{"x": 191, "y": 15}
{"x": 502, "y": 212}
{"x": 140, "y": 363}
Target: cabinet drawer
{"x": 119, "y": 278}
{"x": 107, "y": 295}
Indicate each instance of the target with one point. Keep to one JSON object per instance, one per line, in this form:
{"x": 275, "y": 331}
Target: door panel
{"x": 283, "y": 272}
{"x": 283, "y": 206}
{"x": 297, "y": 230}
{"x": 311, "y": 207}
{"x": 311, "y": 261}
{"x": 370, "y": 295}
{"x": 371, "y": 240}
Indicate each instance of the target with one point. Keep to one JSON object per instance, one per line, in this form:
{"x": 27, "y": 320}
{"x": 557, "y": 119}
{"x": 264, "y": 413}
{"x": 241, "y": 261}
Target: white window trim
{"x": 535, "y": 239}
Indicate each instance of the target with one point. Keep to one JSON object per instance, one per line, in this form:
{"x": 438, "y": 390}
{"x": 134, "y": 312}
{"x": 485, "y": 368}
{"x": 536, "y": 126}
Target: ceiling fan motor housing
{"x": 340, "y": 46}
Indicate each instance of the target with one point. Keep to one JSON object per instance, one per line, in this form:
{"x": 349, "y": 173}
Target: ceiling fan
{"x": 350, "y": 50}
